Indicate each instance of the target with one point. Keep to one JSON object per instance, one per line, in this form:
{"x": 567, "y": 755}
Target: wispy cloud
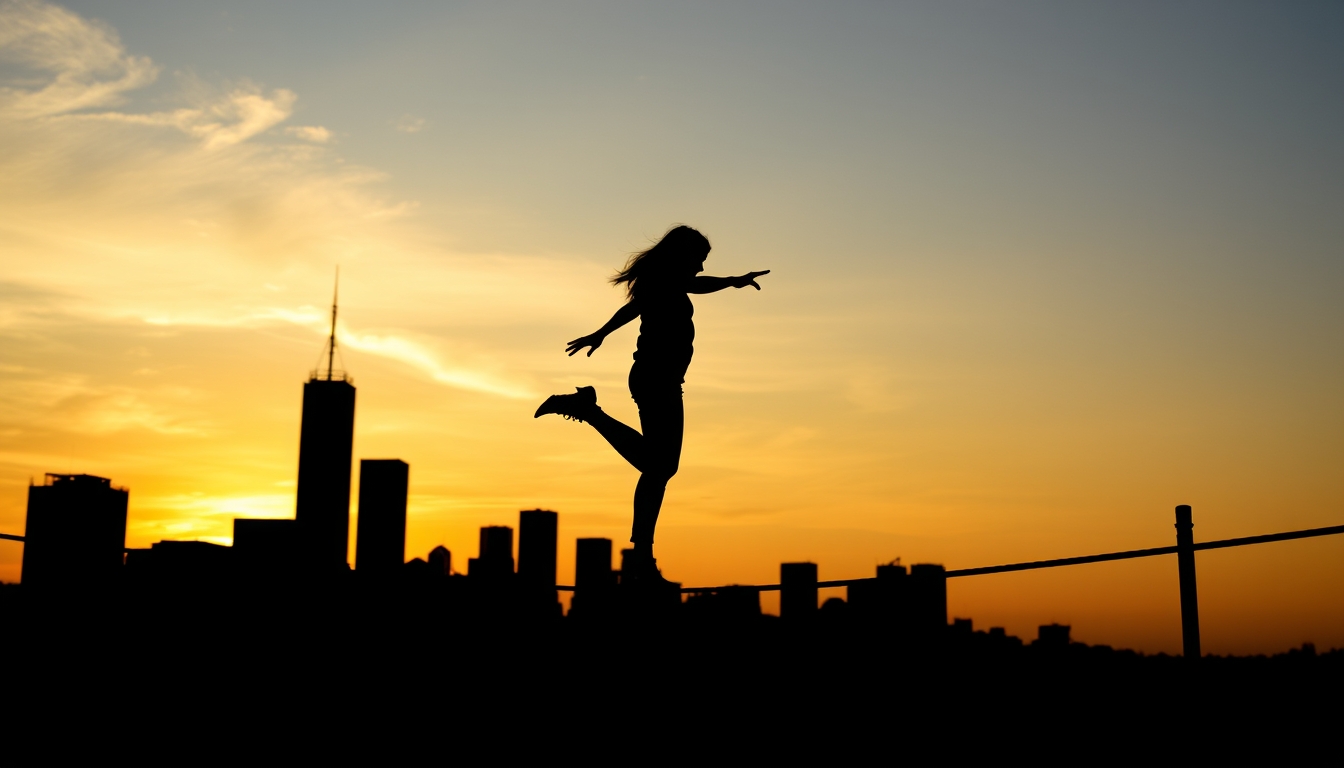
{"x": 418, "y": 354}
{"x": 32, "y": 399}
{"x": 314, "y": 133}
{"x": 232, "y": 119}
{"x": 87, "y": 64}
{"x": 86, "y": 67}
{"x": 422, "y": 357}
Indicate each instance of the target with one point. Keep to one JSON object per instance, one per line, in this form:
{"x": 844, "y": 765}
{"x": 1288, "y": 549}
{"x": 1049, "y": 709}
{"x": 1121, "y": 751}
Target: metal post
{"x": 1185, "y": 559}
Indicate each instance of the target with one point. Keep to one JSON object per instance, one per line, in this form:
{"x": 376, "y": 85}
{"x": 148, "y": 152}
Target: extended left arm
{"x": 706, "y": 284}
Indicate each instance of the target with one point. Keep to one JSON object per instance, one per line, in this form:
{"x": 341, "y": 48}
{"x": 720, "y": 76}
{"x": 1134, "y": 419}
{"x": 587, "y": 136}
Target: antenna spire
{"x": 331, "y": 341}
{"x": 330, "y": 350}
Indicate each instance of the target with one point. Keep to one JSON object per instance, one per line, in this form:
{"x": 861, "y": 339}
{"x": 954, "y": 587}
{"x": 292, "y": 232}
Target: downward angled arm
{"x": 628, "y": 311}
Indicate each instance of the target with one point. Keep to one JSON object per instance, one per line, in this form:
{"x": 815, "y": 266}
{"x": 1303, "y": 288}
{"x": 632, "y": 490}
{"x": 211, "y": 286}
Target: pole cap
{"x": 1183, "y": 516}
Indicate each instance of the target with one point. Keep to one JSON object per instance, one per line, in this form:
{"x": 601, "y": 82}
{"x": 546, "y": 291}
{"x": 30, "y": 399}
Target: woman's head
{"x": 679, "y": 254}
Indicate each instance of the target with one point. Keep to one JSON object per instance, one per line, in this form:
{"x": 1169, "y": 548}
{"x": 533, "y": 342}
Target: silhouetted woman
{"x": 656, "y": 282}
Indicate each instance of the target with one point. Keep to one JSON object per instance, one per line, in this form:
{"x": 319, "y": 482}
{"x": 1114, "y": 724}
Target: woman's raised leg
{"x": 627, "y": 442}
{"x": 582, "y": 405}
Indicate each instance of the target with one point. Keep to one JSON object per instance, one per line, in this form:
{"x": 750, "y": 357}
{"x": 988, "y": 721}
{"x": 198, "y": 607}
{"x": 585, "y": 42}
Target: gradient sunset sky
{"x": 1042, "y": 271}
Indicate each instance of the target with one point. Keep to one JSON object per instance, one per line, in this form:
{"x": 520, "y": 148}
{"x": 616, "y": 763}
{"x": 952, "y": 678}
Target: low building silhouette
{"x": 179, "y": 564}
{"x": 797, "y": 591}
{"x": 417, "y": 569}
{"x": 380, "y": 541}
{"x": 727, "y": 604}
{"x": 75, "y": 533}
{"x": 494, "y": 561}
{"x": 441, "y": 561}
{"x": 880, "y": 602}
{"x": 1053, "y": 636}
{"x": 834, "y": 609}
{"x": 265, "y": 548}
{"x": 594, "y": 580}
{"x": 926, "y": 601}
{"x": 592, "y": 565}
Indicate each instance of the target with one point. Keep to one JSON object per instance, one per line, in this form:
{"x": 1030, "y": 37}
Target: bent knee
{"x": 662, "y": 470}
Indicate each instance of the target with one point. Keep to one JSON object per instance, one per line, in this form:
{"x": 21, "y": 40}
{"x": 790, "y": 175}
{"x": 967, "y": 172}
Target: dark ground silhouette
{"x": 431, "y": 668}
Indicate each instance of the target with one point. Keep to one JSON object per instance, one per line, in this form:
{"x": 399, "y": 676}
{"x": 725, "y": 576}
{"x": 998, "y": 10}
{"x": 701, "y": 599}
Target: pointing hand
{"x": 750, "y": 279}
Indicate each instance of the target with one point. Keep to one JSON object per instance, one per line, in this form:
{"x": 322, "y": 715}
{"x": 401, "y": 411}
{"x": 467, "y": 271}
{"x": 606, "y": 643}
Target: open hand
{"x": 592, "y": 340}
{"x": 749, "y": 279}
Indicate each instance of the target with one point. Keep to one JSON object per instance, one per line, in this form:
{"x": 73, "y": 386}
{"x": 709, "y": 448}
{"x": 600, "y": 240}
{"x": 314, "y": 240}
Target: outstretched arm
{"x": 706, "y": 284}
{"x": 625, "y": 314}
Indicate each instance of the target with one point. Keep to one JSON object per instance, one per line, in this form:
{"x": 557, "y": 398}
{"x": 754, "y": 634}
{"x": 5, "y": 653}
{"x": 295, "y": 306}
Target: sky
{"x": 1041, "y": 272}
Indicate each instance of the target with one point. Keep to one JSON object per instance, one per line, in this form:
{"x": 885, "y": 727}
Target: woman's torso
{"x": 666, "y": 329}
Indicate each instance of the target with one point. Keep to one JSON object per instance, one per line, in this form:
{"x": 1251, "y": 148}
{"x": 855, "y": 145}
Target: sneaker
{"x": 653, "y": 577}
{"x": 643, "y": 573}
{"x": 577, "y": 407}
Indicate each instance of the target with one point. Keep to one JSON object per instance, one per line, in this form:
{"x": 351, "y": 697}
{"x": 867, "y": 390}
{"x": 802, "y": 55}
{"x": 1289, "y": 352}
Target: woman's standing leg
{"x": 663, "y": 419}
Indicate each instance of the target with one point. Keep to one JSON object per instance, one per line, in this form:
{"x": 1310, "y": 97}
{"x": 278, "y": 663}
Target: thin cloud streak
{"x": 29, "y": 399}
{"x": 314, "y": 133}
{"x": 240, "y": 115}
{"x": 415, "y": 354}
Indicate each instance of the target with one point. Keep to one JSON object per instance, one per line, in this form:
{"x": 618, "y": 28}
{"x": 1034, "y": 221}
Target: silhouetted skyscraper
{"x": 380, "y": 547}
{"x": 76, "y": 531}
{"x": 797, "y": 590}
{"x": 536, "y": 548}
{"x": 326, "y": 438}
{"x": 536, "y": 561}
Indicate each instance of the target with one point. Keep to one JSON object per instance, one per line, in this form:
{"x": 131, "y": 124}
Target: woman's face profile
{"x": 698, "y": 262}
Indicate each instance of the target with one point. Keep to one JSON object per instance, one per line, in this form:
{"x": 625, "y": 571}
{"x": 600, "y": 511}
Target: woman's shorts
{"x": 649, "y": 384}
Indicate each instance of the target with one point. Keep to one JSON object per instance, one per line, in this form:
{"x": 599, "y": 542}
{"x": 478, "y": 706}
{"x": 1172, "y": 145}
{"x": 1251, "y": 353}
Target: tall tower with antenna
{"x": 326, "y": 443}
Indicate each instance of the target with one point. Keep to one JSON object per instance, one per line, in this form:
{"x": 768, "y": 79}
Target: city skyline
{"x": 1040, "y": 276}
{"x": 74, "y": 543}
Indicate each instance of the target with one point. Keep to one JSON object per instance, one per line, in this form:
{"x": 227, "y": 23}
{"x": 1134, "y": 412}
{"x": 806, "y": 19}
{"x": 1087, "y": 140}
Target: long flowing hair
{"x": 680, "y": 244}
